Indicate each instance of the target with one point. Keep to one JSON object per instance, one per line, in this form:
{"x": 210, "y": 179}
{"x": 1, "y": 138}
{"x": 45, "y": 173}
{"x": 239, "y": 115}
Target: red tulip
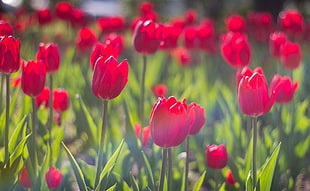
{"x": 160, "y": 90}
{"x": 291, "y": 21}
{"x": 230, "y": 178}
{"x": 199, "y": 118}
{"x": 145, "y": 8}
{"x": 291, "y": 55}
{"x": 15, "y": 82}
{"x": 137, "y": 128}
{"x": 9, "y": 54}
{"x": 207, "y": 38}
{"x": 61, "y": 100}
{"x": 24, "y": 178}
{"x": 191, "y": 37}
{"x": 57, "y": 119}
{"x": 43, "y": 97}
{"x": 260, "y": 25}
{"x": 6, "y": 28}
{"x": 63, "y": 10}
{"x": 33, "y": 77}
{"x": 170, "y": 122}
{"x": 79, "y": 18}
{"x": 190, "y": 17}
{"x": 109, "y": 78}
{"x": 116, "y": 42}
{"x": 111, "y": 24}
{"x": 235, "y": 49}
{"x": 86, "y": 40}
{"x": 44, "y": 16}
{"x": 146, "y": 134}
{"x": 182, "y": 56}
{"x": 53, "y": 178}
{"x": 216, "y": 156}
{"x": 170, "y": 36}
{"x": 253, "y": 96}
{"x": 285, "y": 88}
{"x": 276, "y": 40}
{"x": 49, "y": 54}
{"x": 147, "y": 37}
{"x": 235, "y": 23}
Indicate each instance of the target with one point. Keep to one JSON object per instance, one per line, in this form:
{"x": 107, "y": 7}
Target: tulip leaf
{"x": 77, "y": 170}
{"x": 267, "y": 170}
{"x": 19, "y": 148}
{"x": 302, "y": 147}
{"x": 248, "y": 159}
{"x": 248, "y": 183}
{"x": 56, "y": 144}
{"x": 199, "y": 182}
{"x": 134, "y": 183}
{"x": 148, "y": 172}
{"x": 16, "y": 134}
{"x": 222, "y": 188}
{"x": 112, "y": 187}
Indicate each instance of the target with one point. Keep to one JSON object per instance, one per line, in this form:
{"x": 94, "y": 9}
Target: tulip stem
{"x": 280, "y": 123}
{"x": 254, "y": 126}
{"x": 170, "y": 169}
{"x": 142, "y": 90}
{"x": 7, "y": 118}
{"x": 50, "y": 123}
{"x": 216, "y": 179}
{"x": 101, "y": 144}
{"x": 163, "y": 170}
{"x": 186, "y": 163}
{"x": 1, "y": 88}
{"x": 33, "y": 136}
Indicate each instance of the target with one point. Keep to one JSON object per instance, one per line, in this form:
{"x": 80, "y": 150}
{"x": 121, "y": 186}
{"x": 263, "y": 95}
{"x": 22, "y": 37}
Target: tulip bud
{"x": 44, "y": 16}
{"x": 5, "y": 29}
{"x": 49, "y": 54}
{"x": 146, "y": 134}
{"x": 230, "y": 178}
{"x": 61, "y": 100}
{"x": 43, "y": 97}
{"x": 86, "y": 40}
{"x": 216, "y": 156}
{"x": 9, "y": 54}
{"x": 24, "y": 178}
{"x": 235, "y": 23}
{"x": 199, "y": 118}
{"x": 53, "y": 178}
{"x": 63, "y": 10}
{"x": 276, "y": 40}
{"x": 160, "y": 90}
{"x": 291, "y": 21}
{"x": 285, "y": 88}
{"x": 291, "y": 55}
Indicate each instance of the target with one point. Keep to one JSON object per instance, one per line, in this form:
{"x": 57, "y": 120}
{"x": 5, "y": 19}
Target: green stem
{"x": 7, "y": 118}
{"x": 163, "y": 170}
{"x": 170, "y": 169}
{"x": 1, "y": 89}
{"x": 33, "y": 136}
{"x": 187, "y": 163}
{"x": 101, "y": 144}
{"x": 216, "y": 179}
{"x": 142, "y": 91}
{"x": 50, "y": 122}
{"x": 280, "y": 123}
{"x": 254, "y": 126}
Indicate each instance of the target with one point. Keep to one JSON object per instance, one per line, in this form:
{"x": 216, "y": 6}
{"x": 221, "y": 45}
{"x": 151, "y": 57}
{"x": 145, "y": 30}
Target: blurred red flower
{"x": 285, "y": 88}
{"x": 9, "y": 54}
{"x": 53, "y": 178}
{"x": 216, "y": 156}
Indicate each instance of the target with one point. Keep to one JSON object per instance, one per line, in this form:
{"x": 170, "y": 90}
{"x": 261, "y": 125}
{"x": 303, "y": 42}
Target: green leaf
{"x": 112, "y": 187}
{"x": 16, "y": 134}
{"x": 248, "y": 159}
{"x": 199, "y": 182}
{"x": 134, "y": 183}
{"x": 248, "y": 183}
{"x": 267, "y": 170}
{"x": 222, "y": 188}
{"x": 148, "y": 172}
{"x": 110, "y": 164}
{"x": 56, "y": 145}
{"x": 302, "y": 147}
{"x": 19, "y": 149}
{"x": 77, "y": 170}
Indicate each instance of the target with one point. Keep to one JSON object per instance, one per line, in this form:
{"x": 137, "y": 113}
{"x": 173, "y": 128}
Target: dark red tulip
{"x": 160, "y": 90}
{"x": 86, "y": 40}
{"x": 102, "y": 50}
{"x": 33, "y": 77}
{"x": 79, "y": 18}
{"x": 216, "y": 156}
{"x": 49, "y": 54}
{"x": 170, "y": 36}
{"x": 170, "y": 122}
{"x": 53, "y": 178}
{"x": 190, "y": 17}
{"x": 61, "y": 100}
{"x": 230, "y": 178}
{"x": 111, "y": 24}
{"x": 253, "y": 96}
{"x": 146, "y": 134}
{"x": 116, "y": 42}
{"x": 9, "y": 54}
{"x": 235, "y": 23}
{"x": 24, "y": 178}
{"x": 145, "y": 8}
{"x": 291, "y": 21}
{"x": 291, "y": 55}
{"x": 191, "y": 37}
{"x": 6, "y": 28}
{"x": 147, "y": 37}
{"x": 285, "y": 88}
{"x": 199, "y": 118}
{"x": 109, "y": 78}
{"x": 235, "y": 50}
{"x": 276, "y": 40}
{"x": 63, "y": 10}
{"x": 43, "y": 97}
{"x": 207, "y": 38}
{"x": 44, "y": 16}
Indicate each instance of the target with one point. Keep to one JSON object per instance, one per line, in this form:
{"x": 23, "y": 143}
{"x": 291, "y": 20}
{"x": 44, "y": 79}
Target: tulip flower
{"x": 146, "y": 134}
{"x": 207, "y": 38}
{"x": 291, "y": 21}
{"x": 199, "y": 118}
{"x": 160, "y": 90}
{"x": 260, "y": 25}
{"x": 44, "y": 16}
{"x": 190, "y": 17}
{"x": 169, "y": 122}
{"x": 24, "y": 178}
{"x": 111, "y": 24}
{"x": 137, "y": 128}
{"x": 6, "y": 28}
{"x": 235, "y": 49}
{"x": 145, "y": 8}
{"x": 183, "y": 56}
{"x": 61, "y": 100}
{"x": 291, "y": 55}
{"x": 170, "y": 36}
{"x": 79, "y": 18}
{"x": 109, "y": 78}
{"x": 53, "y": 178}
{"x": 49, "y": 54}
{"x": 33, "y": 77}
{"x": 191, "y": 37}
{"x": 86, "y": 40}
{"x": 216, "y": 156}
{"x": 43, "y": 97}
{"x": 285, "y": 87}
{"x": 147, "y": 37}
{"x": 9, "y": 54}
{"x": 230, "y": 178}
{"x": 63, "y": 10}
{"x": 276, "y": 40}
{"x": 235, "y": 23}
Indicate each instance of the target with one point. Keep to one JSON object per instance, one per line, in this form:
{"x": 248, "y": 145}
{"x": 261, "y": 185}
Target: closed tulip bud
{"x": 53, "y": 178}
{"x": 235, "y": 50}
{"x": 109, "y": 78}
{"x": 63, "y": 10}
{"x": 61, "y": 100}
{"x": 285, "y": 88}
{"x": 24, "y": 178}
{"x": 235, "y": 23}
{"x": 291, "y": 55}
{"x": 147, "y": 37}
{"x": 199, "y": 118}
{"x": 9, "y": 54}
{"x": 276, "y": 40}
{"x": 216, "y": 156}
{"x": 230, "y": 178}
{"x": 44, "y": 16}
{"x": 170, "y": 122}
{"x": 253, "y": 96}
{"x": 43, "y": 97}
{"x": 33, "y": 77}
{"x": 146, "y": 134}
{"x": 49, "y": 54}
{"x": 6, "y": 29}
